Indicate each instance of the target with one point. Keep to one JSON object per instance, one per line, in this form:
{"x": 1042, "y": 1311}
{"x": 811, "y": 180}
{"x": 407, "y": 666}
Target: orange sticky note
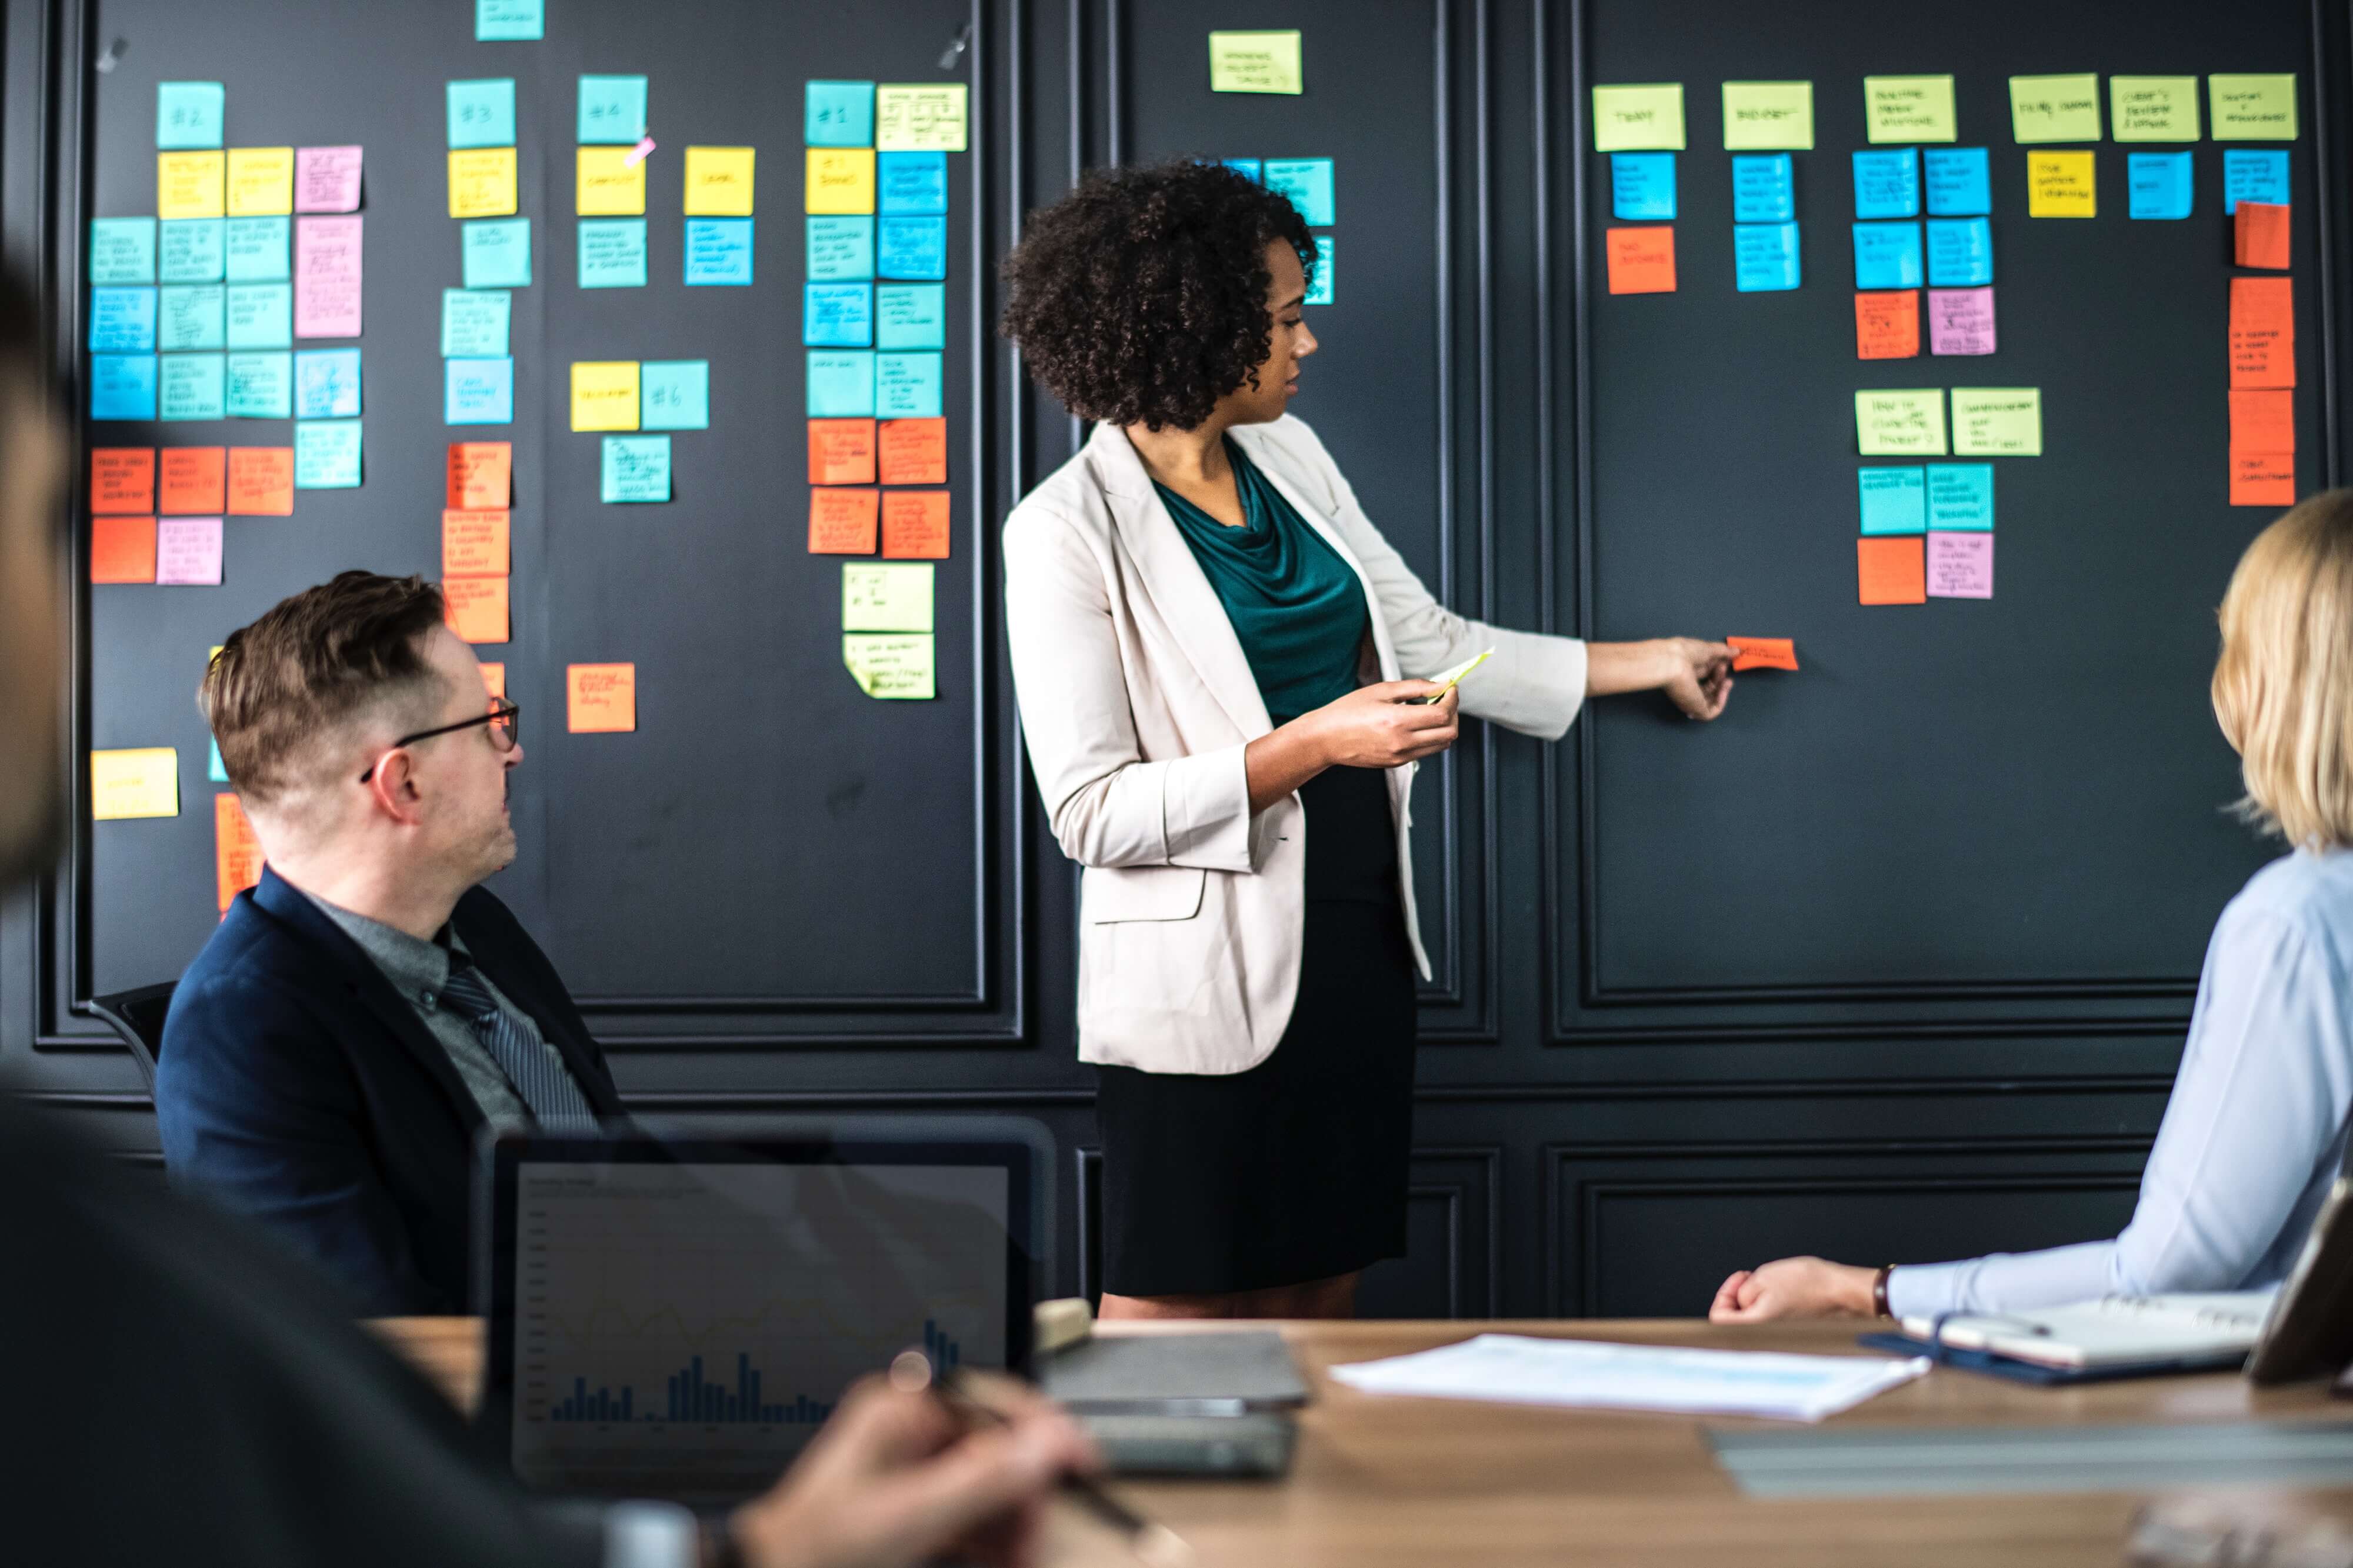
{"x": 237, "y": 853}
{"x": 1641, "y": 260}
{"x": 193, "y": 482}
{"x": 476, "y": 607}
{"x": 2259, "y": 235}
{"x": 2263, "y": 479}
{"x": 482, "y": 476}
{"x": 122, "y": 480}
{"x": 842, "y": 451}
{"x": 122, "y": 549}
{"x": 915, "y": 451}
{"x": 601, "y": 699}
{"x": 261, "y": 482}
{"x": 473, "y": 544}
{"x": 1763, "y": 653}
{"x": 1887, "y": 324}
{"x": 2263, "y": 331}
{"x": 841, "y": 522}
{"x": 2262, "y": 421}
{"x": 916, "y": 525}
{"x": 494, "y": 678}
{"x": 1892, "y": 570}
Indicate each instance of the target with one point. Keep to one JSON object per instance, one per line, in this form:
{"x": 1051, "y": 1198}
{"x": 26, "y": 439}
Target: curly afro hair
{"x": 1141, "y": 295}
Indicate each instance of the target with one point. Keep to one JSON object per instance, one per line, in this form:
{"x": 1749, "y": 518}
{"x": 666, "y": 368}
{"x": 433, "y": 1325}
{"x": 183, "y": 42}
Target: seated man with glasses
{"x": 333, "y": 1054}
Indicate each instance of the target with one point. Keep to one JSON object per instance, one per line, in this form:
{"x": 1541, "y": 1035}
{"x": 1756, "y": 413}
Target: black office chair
{"x": 138, "y": 1018}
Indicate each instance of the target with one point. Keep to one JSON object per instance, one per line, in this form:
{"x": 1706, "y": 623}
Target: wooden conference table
{"x": 1395, "y": 1481}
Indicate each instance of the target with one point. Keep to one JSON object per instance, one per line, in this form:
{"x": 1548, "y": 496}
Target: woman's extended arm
{"x": 1696, "y": 676}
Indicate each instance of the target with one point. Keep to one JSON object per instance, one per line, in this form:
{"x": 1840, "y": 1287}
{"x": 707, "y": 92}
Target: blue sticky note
{"x": 474, "y": 322}
{"x": 122, "y": 386}
{"x": 719, "y": 250}
{"x": 908, "y": 386}
{"x": 612, "y": 110}
{"x": 840, "y": 250}
{"x": 1247, "y": 167}
{"x": 838, "y": 315}
{"x": 839, "y": 114}
{"x": 122, "y": 320}
{"x": 1320, "y": 282}
{"x": 1960, "y": 495}
{"x": 257, "y": 250}
{"x": 911, "y": 247}
{"x": 1764, "y": 257}
{"x": 497, "y": 253}
{"x": 674, "y": 395}
{"x": 191, "y": 318}
{"x": 477, "y": 392}
{"x": 1764, "y": 188}
{"x": 327, "y": 455}
{"x": 189, "y": 114}
{"x": 1887, "y": 256}
{"x": 193, "y": 251}
{"x": 1895, "y": 501}
{"x": 123, "y": 250}
{"x": 840, "y": 384}
{"x": 1960, "y": 253}
{"x": 1957, "y": 182}
{"x": 510, "y": 21}
{"x": 327, "y": 384}
{"x": 911, "y": 315}
{"x": 195, "y": 386}
{"x": 911, "y": 184}
{"x": 261, "y": 385}
{"x": 1307, "y": 182}
{"x": 613, "y": 253}
{"x": 1642, "y": 186}
{"x": 2248, "y": 175}
{"x": 1887, "y": 183}
{"x": 483, "y": 113}
{"x": 636, "y": 468}
{"x": 215, "y": 770}
{"x": 2162, "y": 185}
{"x": 260, "y": 315}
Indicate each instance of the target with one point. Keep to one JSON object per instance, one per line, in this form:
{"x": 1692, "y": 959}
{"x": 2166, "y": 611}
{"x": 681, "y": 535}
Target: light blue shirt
{"x": 2253, "y": 1134}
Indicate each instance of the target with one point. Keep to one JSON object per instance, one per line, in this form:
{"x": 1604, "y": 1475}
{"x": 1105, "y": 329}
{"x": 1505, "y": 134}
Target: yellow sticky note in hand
{"x": 1998, "y": 421}
{"x": 2060, "y": 185}
{"x": 608, "y": 184}
{"x": 2153, "y": 108}
{"x": 482, "y": 183}
{"x": 894, "y": 669}
{"x": 141, "y": 782}
{"x": 841, "y": 180}
{"x": 718, "y": 181}
{"x": 260, "y": 182}
{"x": 1448, "y": 679}
{"x": 604, "y": 395}
{"x": 1255, "y": 62}
{"x": 1900, "y": 423}
{"x": 2252, "y": 107}
{"x": 189, "y": 184}
{"x": 1910, "y": 109}
{"x": 919, "y": 117}
{"x": 893, "y": 598}
{"x": 1769, "y": 116}
{"x": 1638, "y": 119}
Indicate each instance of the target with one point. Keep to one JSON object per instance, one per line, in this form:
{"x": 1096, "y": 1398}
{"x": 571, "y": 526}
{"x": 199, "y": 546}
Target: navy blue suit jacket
{"x": 298, "y": 1087}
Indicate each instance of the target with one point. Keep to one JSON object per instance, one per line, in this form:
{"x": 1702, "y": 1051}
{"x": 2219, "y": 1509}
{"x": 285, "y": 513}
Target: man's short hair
{"x": 310, "y": 666}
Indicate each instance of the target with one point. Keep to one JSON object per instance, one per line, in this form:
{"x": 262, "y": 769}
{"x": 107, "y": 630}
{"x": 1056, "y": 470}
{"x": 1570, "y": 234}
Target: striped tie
{"x": 536, "y": 1072}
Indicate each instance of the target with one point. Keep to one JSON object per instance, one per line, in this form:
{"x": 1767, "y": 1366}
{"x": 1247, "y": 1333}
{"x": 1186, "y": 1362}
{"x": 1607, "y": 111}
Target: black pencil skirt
{"x": 1294, "y": 1170}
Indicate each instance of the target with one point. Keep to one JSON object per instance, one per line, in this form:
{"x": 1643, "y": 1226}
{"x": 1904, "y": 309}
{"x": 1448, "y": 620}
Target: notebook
{"x": 2216, "y": 1329}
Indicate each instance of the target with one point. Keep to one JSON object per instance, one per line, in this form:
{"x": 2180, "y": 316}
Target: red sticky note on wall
{"x": 916, "y": 525}
{"x": 475, "y": 607}
{"x": 841, "y": 522}
{"x": 2262, "y": 421}
{"x": 2263, "y": 479}
{"x": 1641, "y": 260}
{"x": 482, "y": 476}
{"x": 122, "y": 549}
{"x": 842, "y": 451}
{"x": 1892, "y": 570}
{"x": 600, "y": 697}
{"x": 473, "y": 544}
{"x": 2259, "y": 236}
{"x": 237, "y": 853}
{"x": 1763, "y": 653}
{"x": 915, "y": 451}
{"x": 122, "y": 480}
{"x": 1887, "y": 324}
{"x": 194, "y": 482}
{"x": 2263, "y": 331}
{"x": 261, "y": 482}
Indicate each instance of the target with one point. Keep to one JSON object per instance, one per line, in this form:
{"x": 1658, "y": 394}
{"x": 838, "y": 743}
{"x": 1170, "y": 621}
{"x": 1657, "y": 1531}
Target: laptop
{"x": 676, "y": 1316}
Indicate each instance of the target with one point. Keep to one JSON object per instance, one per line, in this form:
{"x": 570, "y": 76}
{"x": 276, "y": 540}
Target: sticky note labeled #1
{"x": 1767, "y": 116}
{"x": 1900, "y": 423}
{"x": 892, "y": 666}
{"x": 1910, "y": 109}
{"x": 1256, "y": 62}
{"x": 140, "y": 781}
{"x": 2044, "y": 108}
{"x": 1997, "y": 421}
{"x": 837, "y": 113}
{"x": 1638, "y": 119}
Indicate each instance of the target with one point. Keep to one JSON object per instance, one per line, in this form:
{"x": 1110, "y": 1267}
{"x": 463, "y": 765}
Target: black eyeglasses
{"x": 505, "y": 720}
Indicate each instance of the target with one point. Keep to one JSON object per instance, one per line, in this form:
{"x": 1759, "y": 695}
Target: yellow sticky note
{"x": 1900, "y": 423}
{"x": 2060, "y": 184}
{"x": 2153, "y": 108}
{"x": 1769, "y": 116}
{"x": 841, "y": 180}
{"x": 142, "y": 782}
{"x": 718, "y": 181}
{"x": 482, "y": 183}
{"x": 886, "y": 597}
{"x": 2252, "y": 107}
{"x": 1998, "y": 421}
{"x": 604, "y": 395}
{"x": 1910, "y": 109}
{"x": 1638, "y": 119}
{"x": 892, "y": 668}
{"x": 2055, "y": 109}
{"x": 189, "y": 184}
{"x": 608, "y": 184}
{"x": 260, "y": 182}
{"x": 919, "y": 117}
{"x": 1255, "y": 62}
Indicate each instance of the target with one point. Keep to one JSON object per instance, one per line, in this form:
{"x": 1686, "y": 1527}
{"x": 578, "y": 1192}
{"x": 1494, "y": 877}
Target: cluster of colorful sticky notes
{"x": 601, "y": 699}
{"x": 886, "y": 619}
{"x": 2263, "y": 396}
{"x": 1933, "y": 497}
{"x": 134, "y": 782}
{"x": 1256, "y": 62}
{"x": 1308, "y": 184}
{"x": 630, "y": 394}
{"x": 193, "y": 489}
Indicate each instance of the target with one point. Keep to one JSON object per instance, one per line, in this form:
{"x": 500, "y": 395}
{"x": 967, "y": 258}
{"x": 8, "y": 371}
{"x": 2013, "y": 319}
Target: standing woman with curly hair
{"x": 1220, "y": 665}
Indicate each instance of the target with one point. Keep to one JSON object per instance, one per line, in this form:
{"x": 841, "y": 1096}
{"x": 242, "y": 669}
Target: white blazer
{"x": 1137, "y": 701}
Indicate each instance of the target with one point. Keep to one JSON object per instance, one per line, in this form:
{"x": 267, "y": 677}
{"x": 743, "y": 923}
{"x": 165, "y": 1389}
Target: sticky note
{"x": 510, "y": 21}
{"x": 838, "y": 114}
{"x": 1887, "y": 184}
{"x": 482, "y": 113}
{"x": 1960, "y": 495}
{"x": 1960, "y": 321}
{"x": 482, "y": 476}
{"x": 1895, "y": 501}
{"x": 476, "y": 609}
{"x": 237, "y": 853}
{"x": 718, "y": 181}
{"x": 840, "y": 384}
{"x": 2248, "y": 175}
{"x": 474, "y": 542}
{"x": 122, "y": 549}
{"x": 718, "y": 252}
{"x": 193, "y": 317}
{"x": 1887, "y": 324}
{"x": 1322, "y": 271}
{"x": 910, "y": 316}
{"x": 190, "y": 184}
{"x": 1892, "y": 570}
{"x": 474, "y": 322}
{"x": 497, "y": 253}
{"x": 1996, "y": 422}
{"x": 1642, "y": 186}
{"x": 912, "y": 452}
{"x": 674, "y": 395}
{"x": 890, "y": 668}
{"x": 1306, "y": 184}
{"x": 908, "y": 386}
{"x": 192, "y": 386}
{"x": 1255, "y": 62}
{"x": 612, "y": 253}
{"x": 838, "y": 315}
{"x": 2153, "y": 108}
{"x": 215, "y": 769}
{"x": 327, "y": 384}
{"x": 259, "y": 250}
{"x": 121, "y": 479}
{"x": 123, "y": 319}
{"x": 259, "y": 315}
{"x": 326, "y": 277}
{"x": 1909, "y": 108}
{"x": 1900, "y": 424}
{"x": 912, "y": 248}
{"x": 604, "y": 395}
{"x": 1245, "y": 167}
{"x": 1763, "y": 653}
{"x": 840, "y": 250}
{"x": 635, "y": 468}
{"x": 608, "y": 184}
{"x": 478, "y": 391}
{"x": 194, "y": 251}
{"x": 140, "y": 781}
{"x": 612, "y": 110}
{"x": 2060, "y": 184}
{"x": 188, "y": 552}
{"x": 1765, "y": 115}
{"x": 1960, "y": 253}
{"x": 327, "y": 179}
{"x": 601, "y": 699}
{"x": 261, "y": 482}
{"x": 260, "y": 181}
{"x": 327, "y": 455}
{"x": 122, "y": 386}
{"x": 2055, "y": 109}
{"x": 1641, "y": 260}
{"x": 2262, "y": 421}
{"x": 189, "y": 113}
{"x": 2259, "y": 236}
{"x": 843, "y": 521}
{"x": 840, "y": 180}
{"x": 914, "y": 525}
{"x": 1638, "y": 119}
{"x": 1957, "y": 182}
{"x": 194, "y": 480}
{"x": 842, "y": 451}
{"x": 123, "y": 250}
{"x": 911, "y": 184}
{"x": 2252, "y": 107}
{"x": 1887, "y": 256}
{"x": 482, "y": 183}
{"x": 2263, "y": 331}
{"x": 1960, "y": 566}
{"x": 919, "y": 117}
{"x": 2263, "y": 479}
{"x": 886, "y": 598}
{"x": 2161, "y": 184}
{"x": 1764, "y": 188}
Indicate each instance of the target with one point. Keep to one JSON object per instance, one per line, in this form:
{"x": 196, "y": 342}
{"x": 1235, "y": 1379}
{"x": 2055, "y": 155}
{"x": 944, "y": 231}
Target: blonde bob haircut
{"x": 2284, "y": 685}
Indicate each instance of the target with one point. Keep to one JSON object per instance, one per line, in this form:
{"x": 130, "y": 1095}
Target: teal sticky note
{"x": 833, "y": 315}
{"x": 1307, "y": 182}
{"x": 215, "y": 770}
{"x": 122, "y": 320}
{"x": 1764, "y": 188}
{"x": 510, "y": 21}
{"x": 1764, "y": 258}
{"x": 1960, "y": 495}
{"x": 260, "y": 315}
{"x": 1957, "y": 181}
{"x": 193, "y": 317}
{"x": 1247, "y": 168}
{"x": 122, "y": 386}
{"x": 2162, "y": 186}
{"x": 123, "y": 250}
{"x": 327, "y": 455}
{"x": 1887, "y": 183}
{"x": 1642, "y": 186}
{"x": 261, "y": 385}
{"x": 474, "y": 322}
{"x": 838, "y": 114}
{"x": 908, "y": 386}
{"x": 911, "y": 315}
{"x": 636, "y": 468}
{"x": 911, "y": 184}
{"x": 327, "y": 384}
{"x": 194, "y": 387}
{"x": 257, "y": 250}
{"x": 189, "y": 114}
{"x": 193, "y": 251}
{"x": 1960, "y": 253}
{"x": 718, "y": 252}
{"x": 914, "y": 248}
{"x": 483, "y": 113}
{"x": 497, "y": 252}
{"x": 613, "y": 253}
{"x": 1319, "y": 286}
{"x": 477, "y": 392}
{"x": 840, "y": 250}
{"x": 612, "y": 110}
{"x": 2248, "y": 175}
{"x": 1887, "y": 256}
{"x": 674, "y": 395}
{"x": 1895, "y": 501}
{"x": 840, "y": 384}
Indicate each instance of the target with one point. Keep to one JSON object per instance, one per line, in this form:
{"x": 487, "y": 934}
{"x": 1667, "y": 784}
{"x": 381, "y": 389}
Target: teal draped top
{"x": 1297, "y": 608}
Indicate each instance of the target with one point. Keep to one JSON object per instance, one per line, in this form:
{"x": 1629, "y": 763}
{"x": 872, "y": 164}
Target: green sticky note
{"x": 894, "y": 597}
{"x": 915, "y": 315}
{"x": 674, "y": 395}
{"x": 1769, "y": 116}
{"x": 2252, "y": 107}
{"x": 189, "y": 114}
{"x": 1996, "y": 422}
{"x": 474, "y": 322}
{"x": 1910, "y": 109}
{"x": 1638, "y": 119}
{"x": 326, "y": 454}
{"x": 1900, "y": 423}
{"x": 1304, "y": 183}
{"x": 483, "y": 113}
{"x": 613, "y": 253}
{"x": 2153, "y": 108}
{"x": 612, "y": 110}
{"x": 636, "y": 468}
{"x": 1256, "y": 62}
{"x": 497, "y": 253}
{"x": 893, "y": 668}
{"x": 2046, "y": 108}
{"x": 123, "y": 250}
{"x": 510, "y": 21}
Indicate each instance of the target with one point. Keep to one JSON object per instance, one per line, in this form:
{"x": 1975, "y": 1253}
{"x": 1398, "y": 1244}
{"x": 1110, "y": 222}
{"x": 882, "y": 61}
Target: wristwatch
{"x": 1878, "y": 1291}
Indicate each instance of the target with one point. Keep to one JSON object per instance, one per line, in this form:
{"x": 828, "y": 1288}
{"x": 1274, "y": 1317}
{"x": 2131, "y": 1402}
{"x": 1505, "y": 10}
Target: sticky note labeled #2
{"x": 1998, "y": 421}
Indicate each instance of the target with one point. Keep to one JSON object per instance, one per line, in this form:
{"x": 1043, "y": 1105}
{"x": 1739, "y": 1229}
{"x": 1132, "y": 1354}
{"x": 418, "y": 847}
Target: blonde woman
{"x": 2256, "y": 1129}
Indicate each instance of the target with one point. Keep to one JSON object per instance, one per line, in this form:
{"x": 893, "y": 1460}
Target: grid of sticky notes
{"x": 874, "y": 330}
{"x": 1307, "y": 183}
{"x": 494, "y": 248}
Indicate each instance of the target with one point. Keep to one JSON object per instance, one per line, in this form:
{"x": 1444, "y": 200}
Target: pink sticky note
{"x": 188, "y": 551}
{"x": 638, "y": 153}
{"x": 1960, "y": 566}
{"x": 326, "y": 179}
{"x": 1960, "y": 320}
{"x": 327, "y": 276}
